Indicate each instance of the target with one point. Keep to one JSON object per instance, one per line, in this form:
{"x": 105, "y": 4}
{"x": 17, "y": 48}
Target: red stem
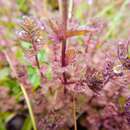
{"x": 63, "y": 59}
{"x": 64, "y": 14}
{"x": 63, "y": 53}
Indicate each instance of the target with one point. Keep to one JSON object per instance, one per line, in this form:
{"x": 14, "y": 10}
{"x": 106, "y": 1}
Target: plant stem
{"x": 63, "y": 6}
{"x": 63, "y": 59}
{"x": 37, "y": 61}
{"x": 70, "y": 9}
{"x": 74, "y": 113}
{"x": 29, "y": 106}
{"x": 23, "y": 90}
{"x": 63, "y": 53}
{"x": 66, "y": 13}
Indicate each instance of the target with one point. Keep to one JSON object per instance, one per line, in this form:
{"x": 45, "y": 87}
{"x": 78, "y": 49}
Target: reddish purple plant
{"x": 127, "y": 109}
{"x": 123, "y": 51}
{"x": 72, "y": 70}
{"x": 79, "y": 83}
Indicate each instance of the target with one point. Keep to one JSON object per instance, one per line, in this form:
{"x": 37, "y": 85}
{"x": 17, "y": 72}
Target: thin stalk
{"x": 23, "y": 90}
{"x": 29, "y": 106}
{"x": 63, "y": 6}
{"x": 74, "y": 113}
{"x": 37, "y": 61}
{"x": 45, "y": 5}
{"x": 63, "y": 61}
{"x": 70, "y": 9}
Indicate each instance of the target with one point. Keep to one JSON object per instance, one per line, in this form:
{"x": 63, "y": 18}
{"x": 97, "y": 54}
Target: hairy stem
{"x": 63, "y": 6}
{"x": 23, "y": 90}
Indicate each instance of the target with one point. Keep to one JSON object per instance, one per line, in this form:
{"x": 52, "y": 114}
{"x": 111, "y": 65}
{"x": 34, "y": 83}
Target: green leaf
{"x": 3, "y": 117}
{"x": 2, "y": 124}
{"x": 27, "y": 124}
{"x": 25, "y": 45}
{"x": 23, "y": 6}
{"x": 20, "y": 56}
{"x": 48, "y": 74}
{"x": 4, "y": 73}
{"x": 19, "y": 53}
{"x": 42, "y": 56}
{"x": 9, "y": 25}
{"x": 13, "y": 86}
{"x": 79, "y": 14}
{"x": 122, "y": 100}
{"x": 34, "y": 76}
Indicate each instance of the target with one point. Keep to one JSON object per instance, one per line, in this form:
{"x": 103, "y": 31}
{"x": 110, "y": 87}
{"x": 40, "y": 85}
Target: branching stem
{"x": 63, "y": 6}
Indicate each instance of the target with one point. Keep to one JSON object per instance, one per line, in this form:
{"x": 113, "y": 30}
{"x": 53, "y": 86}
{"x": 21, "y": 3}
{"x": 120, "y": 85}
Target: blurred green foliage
{"x": 27, "y": 124}
{"x": 23, "y": 6}
{"x": 3, "y": 118}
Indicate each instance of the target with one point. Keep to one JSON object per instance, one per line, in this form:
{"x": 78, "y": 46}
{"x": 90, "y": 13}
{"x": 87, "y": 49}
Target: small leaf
{"x": 13, "y": 86}
{"x": 19, "y": 53}
{"x": 34, "y": 76}
{"x": 20, "y": 56}
{"x": 26, "y": 45}
{"x": 76, "y": 33}
{"x": 42, "y": 56}
{"x": 27, "y": 124}
{"x": 81, "y": 31}
{"x": 122, "y": 100}
{"x": 48, "y": 74}
{"x": 4, "y": 73}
